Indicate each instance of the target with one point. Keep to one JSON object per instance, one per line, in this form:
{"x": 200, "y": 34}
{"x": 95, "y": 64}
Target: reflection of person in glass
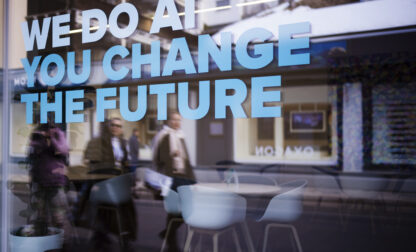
{"x": 170, "y": 153}
{"x": 48, "y": 157}
{"x": 108, "y": 153}
{"x": 171, "y": 158}
{"x": 134, "y": 146}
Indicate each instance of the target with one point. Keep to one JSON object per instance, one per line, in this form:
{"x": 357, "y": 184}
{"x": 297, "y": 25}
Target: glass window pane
{"x": 138, "y": 139}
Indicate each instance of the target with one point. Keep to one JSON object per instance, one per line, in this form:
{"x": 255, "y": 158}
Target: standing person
{"x": 170, "y": 154}
{"x": 108, "y": 153}
{"x": 48, "y": 157}
{"x": 171, "y": 158}
{"x": 134, "y": 146}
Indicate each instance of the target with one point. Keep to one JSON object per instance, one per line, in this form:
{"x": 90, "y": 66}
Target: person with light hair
{"x": 171, "y": 158}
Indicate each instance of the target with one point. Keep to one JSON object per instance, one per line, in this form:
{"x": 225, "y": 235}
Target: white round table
{"x": 244, "y": 188}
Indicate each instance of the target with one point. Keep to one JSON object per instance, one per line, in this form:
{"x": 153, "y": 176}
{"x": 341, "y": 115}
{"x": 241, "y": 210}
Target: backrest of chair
{"x": 286, "y": 206}
{"x": 409, "y": 186}
{"x": 209, "y": 208}
{"x": 172, "y": 203}
{"x": 325, "y": 180}
{"x": 114, "y": 191}
{"x": 369, "y": 187}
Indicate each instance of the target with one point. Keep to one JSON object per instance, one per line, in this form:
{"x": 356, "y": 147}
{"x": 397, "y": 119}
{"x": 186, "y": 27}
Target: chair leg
{"x": 215, "y": 242}
{"x": 188, "y": 240}
{"x": 167, "y": 232}
{"x": 247, "y": 235}
{"x": 347, "y": 212}
{"x": 295, "y": 234}
{"x": 120, "y": 230}
{"x": 317, "y": 206}
{"x": 74, "y": 232}
{"x": 340, "y": 206}
{"x": 291, "y": 227}
{"x": 266, "y": 235}
{"x": 372, "y": 216}
{"x": 94, "y": 219}
{"x": 398, "y": 214}
{"x": 236, "y": 241}
{"x": 199, "y": 246}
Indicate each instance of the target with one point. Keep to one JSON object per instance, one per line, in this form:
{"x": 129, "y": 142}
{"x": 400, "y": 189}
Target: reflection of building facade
{"x": 346, "y": 130}
{"x": 347, "y": 102}
{"x": 316, "y": 88}
{"x": 80, "y": 133}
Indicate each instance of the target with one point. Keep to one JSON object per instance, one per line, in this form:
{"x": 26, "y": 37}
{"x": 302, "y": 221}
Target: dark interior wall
{"x": 43, "y": 6}
{"x": 211, "y": 149}
{"x": 404, "y": 42}
{"x": 393, "y": 59}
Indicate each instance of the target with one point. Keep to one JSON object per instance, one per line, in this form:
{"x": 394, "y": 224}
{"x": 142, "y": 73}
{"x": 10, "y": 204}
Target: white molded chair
{"x": 114, "y": 191}
{"x": 407, "y": 192}
{"x": 212, "y": 211}
{"x": 365, "y": 190}
{"x": 110, "y": 194}
{"x": 357, "y": 187}
{"x": 285, "y": 207}
{"x": 172, "y": 205}
{"x": 405, "y": 197}
{"x": 327, "y": 189}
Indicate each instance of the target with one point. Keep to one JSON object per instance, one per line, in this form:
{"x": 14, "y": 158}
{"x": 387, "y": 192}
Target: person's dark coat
{"x": 164, "y": 161}
{"x": 99, "y": 153}
{"x": 134, "y": 148}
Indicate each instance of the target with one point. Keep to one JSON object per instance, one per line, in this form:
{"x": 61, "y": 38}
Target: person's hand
{"x": 58, "y": 140}
{"x": 54, "y": 133}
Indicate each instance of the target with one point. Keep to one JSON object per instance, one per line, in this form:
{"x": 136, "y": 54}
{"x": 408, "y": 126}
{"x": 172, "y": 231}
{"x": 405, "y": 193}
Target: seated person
{"x": 108, "y": 153}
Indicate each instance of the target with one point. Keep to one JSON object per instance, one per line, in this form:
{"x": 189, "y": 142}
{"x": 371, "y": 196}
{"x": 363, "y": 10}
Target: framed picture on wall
{"x": 307, "y": 121}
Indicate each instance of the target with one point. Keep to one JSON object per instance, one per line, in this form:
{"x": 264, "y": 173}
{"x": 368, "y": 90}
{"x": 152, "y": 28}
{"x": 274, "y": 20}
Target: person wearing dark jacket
{"x": 108, "y": 153}
{"x": 171, "y": 158}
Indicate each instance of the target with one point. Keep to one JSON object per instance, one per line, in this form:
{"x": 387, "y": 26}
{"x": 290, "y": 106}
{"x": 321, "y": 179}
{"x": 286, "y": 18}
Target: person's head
{"x": 116, "y": 127}
{"x": 136, "y": 132}
{"x": 174, "y": 120}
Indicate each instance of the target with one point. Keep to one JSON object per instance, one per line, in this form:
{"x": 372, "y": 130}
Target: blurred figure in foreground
{"x": 48, "y": 157}
{"x": 171, "y": 158}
